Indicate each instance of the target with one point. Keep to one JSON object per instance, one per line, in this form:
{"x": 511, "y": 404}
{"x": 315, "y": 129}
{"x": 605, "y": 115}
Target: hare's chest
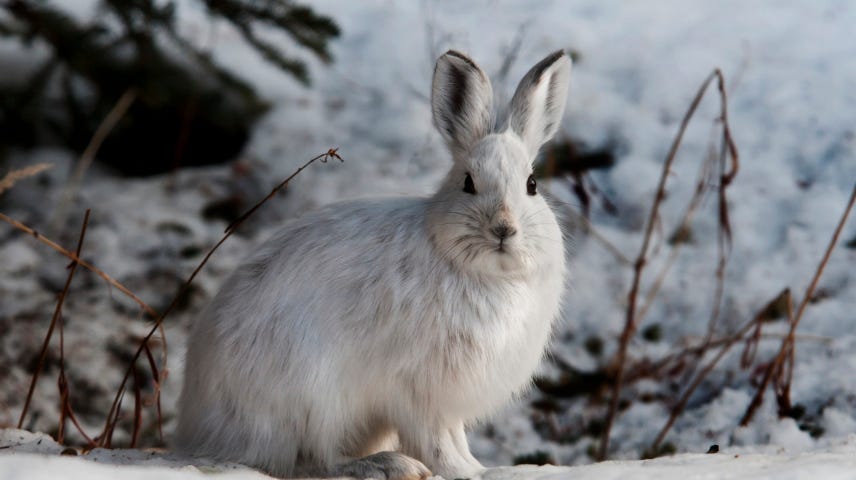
{"x": 491, "y": 350}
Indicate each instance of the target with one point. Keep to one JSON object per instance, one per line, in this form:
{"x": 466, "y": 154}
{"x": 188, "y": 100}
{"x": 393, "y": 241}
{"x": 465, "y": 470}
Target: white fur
{"x": 372, "y": 325}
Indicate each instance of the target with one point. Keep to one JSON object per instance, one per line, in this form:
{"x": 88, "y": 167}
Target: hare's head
{"x": 489, "y": 215}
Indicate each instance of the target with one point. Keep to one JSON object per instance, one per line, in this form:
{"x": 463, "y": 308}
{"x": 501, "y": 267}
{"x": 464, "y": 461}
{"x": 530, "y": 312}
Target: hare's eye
{"x": 531, "y": 185}
{"x": 469, "y": 186}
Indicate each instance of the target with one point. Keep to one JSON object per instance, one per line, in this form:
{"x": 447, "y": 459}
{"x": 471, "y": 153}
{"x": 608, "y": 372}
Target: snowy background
{"x": 789, "y": 67}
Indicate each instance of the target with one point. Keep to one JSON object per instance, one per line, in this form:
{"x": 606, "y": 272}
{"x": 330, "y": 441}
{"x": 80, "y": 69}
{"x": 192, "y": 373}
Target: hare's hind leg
{"x": 384, "y": 466}
{"x": 459, "y": 439}
{"x": 443, "y": 449}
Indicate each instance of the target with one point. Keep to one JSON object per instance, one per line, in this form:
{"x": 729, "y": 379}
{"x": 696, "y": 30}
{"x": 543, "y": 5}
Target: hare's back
{"x": 340, "y": 256}
{"x": 346, "y": 237}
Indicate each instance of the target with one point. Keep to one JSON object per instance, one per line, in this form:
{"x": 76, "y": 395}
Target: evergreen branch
{"x": 271, "y": 54}
{"x": 302, "y": 24}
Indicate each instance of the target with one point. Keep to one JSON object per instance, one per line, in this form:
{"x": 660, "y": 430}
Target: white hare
{"x": 363, "y": 337}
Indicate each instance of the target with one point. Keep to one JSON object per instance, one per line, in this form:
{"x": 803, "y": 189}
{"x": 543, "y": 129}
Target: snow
{"x": 35, "y": 456}
{"x": 789, "y": 68}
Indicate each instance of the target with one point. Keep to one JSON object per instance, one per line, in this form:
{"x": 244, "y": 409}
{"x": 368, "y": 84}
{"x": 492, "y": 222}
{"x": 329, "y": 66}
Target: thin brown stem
{"x": 639, "y": 265}
{"x": 157, "y": 380}
{"x": 726, "y": 176}
{"x": 113, "y": 414}
{"x": 10, "y": 179}
{"x": 683, "y": 229}
{"x": 104, "y": 128}
{"x": 725, "y": 348}
{"x": 775, "y": 366}
{"x": 331, "y": 153}
{"x": 83, "y": 263}
{"x": 73, "y": 418}
{"x": 56, "y": 315}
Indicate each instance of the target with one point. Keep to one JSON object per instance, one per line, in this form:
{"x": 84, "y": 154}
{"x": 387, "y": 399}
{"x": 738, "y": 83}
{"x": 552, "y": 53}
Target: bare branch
{"x": 13, "y": 177}
{"x": 107, "y": 124}
{"x": 56, "y": 315}
{"x": 83, "y": 263}
{"x": 113, "y": 415}
{"x": 775, "y": 369}
{"x": 641, "y": 260}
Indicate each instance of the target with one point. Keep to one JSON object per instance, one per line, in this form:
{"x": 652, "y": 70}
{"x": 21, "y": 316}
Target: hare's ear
{"x": 537, "y": 106}
{"x": 461, "y": 98}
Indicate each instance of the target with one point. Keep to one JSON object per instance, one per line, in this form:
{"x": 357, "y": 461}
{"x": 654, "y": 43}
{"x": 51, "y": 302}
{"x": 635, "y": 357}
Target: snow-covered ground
{"x": 790, "y": 68}
{"x": 37, "y": 456}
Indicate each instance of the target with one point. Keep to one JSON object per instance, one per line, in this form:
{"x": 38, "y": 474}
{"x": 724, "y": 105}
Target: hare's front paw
{"x": 385, "y": 466}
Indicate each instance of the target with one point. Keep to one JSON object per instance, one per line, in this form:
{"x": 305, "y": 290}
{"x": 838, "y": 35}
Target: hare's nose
{"x": 503, "y": 231}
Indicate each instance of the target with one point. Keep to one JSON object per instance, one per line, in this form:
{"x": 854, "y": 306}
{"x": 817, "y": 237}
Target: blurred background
{"x": 170, "y": 118}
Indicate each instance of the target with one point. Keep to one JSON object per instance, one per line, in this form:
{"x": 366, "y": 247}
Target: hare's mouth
{"x": 502, "y": 248}
{"x": 508, "y": 258}
{"x": 506, "y": 248}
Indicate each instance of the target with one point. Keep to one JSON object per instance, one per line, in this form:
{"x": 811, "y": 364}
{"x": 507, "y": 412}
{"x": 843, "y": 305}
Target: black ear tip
{"x": 554, "y": 57}
{"x": 460, "y": 56}
{"x": 546, "y": 63}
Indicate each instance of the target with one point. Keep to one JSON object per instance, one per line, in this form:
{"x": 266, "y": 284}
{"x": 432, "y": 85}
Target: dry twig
{"x": 106, "y": 436}
{"x": 83, "y": 263}
{"x": 729, "y": 149}
{"x": 13, "y": 177}
{"x": 781, "y": 366}
{"x": 66, "y": 410}
{"x": 44, "y": 353}
{"x": 104, "y": 128}
{"x": 677, "y": 239}
{"x": 729, "y": 342}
